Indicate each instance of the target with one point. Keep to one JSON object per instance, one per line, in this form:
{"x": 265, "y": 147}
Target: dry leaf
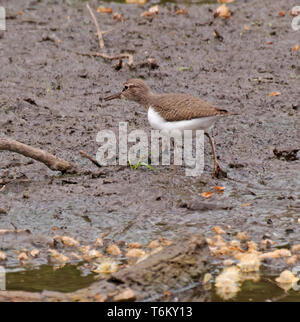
{"x": 242, "y": 236}
{"x": 249, "y": 262}
{"x": 84, "y": 249}
{"x": 118, "y": 16}
{"x": 134, "y": 245}
{"x": 135, "y": 252}
{"x": 35, "y": 253}
{"x": 296, "y": 48}
{"x": 3, "y": 256}
{"x": 287, "y": 280}
{"x": 167, "y": 294}
{"x": 269, "y": 255}
{"x": 245, "y": 205}
{"x": 106, "y": 266}
{"x": 207, "y": 194}
{"x": 216, "y": 241}
{"x": 228, "y": 283}
{"x": 20, "y": 12}
{"x": 99, "y": 242}
{"x": 113, "y": 250}
{"x": 281, "y": 13}
{"x": 219, "y": 189}
{"x": 104, "y": 10}
{"x": 207, "y": 281}
{"x": 218, "y": 230}
{"x": 207, "y": 277}
{"x": 135, "y": 1}
{"x": 67, "y": 241}
{"x": 292, "y": 260}
{"x": 23, "y": 256}
{"x": 251, "y": 246}
{"x": 276, "y": 254}
{"x": 153, "y": 244}
{"x": 154, "y": 9}
{"x": 283, "y": 252}
{"x": 58, "y": 258}
{"x": 223, "y": 11}
{"x": 296, "y": 248}
{"x": 91, "y": 254}
{"x": 274, "y": 94}
{"x": 181, "y": 12}
{"x": 146, "y": 14}
{"x": 228, "y": 262}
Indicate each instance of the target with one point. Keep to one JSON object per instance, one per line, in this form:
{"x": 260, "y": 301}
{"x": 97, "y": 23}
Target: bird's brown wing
{"x": 178, "y": 107}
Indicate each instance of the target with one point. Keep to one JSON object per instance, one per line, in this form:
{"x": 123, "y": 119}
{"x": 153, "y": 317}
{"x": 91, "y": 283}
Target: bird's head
{"x": 134, "y": 90}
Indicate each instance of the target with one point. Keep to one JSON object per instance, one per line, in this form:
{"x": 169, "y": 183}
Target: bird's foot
{"x": 219, "y": 172}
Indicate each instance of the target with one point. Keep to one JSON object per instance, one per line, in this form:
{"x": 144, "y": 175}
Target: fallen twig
{"x": 9, "y": 231}
{"x": 94, "y": 53}
{"x": 99, "y": 33}
{"x": 85, "y": 155}
{"x": 51, "y": 161}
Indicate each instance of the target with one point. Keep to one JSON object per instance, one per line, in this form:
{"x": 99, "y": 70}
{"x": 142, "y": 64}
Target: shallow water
{"x": 69, "y": 279}
{"x": 66, "y": 279}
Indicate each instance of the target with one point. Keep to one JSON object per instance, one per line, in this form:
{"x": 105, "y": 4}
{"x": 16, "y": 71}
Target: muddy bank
{"x": 174, "y": 268}
{"x": 49, "y": 98}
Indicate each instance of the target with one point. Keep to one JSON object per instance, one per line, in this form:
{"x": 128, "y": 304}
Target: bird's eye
{"x": 125, "y": 87}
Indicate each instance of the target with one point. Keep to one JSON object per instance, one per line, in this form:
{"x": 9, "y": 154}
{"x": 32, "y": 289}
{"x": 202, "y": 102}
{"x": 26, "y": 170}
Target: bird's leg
{"x": 218, "y": 172}
{"x": 173, "y": 146}
{"x": 175, "y": 154}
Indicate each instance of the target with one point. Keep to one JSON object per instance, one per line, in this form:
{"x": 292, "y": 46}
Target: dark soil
{"x": 51, "y": 98}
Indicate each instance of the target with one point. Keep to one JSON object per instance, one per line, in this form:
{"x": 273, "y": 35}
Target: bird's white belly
{"x": 158, "y": 123}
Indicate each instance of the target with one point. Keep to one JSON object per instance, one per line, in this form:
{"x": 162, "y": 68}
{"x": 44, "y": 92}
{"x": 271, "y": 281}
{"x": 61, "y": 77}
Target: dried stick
{"x": 124, "y": 55}
{"x": 51, "y": 161}
{"x": 85, "y": 155}
{"x": 99, "y": 33}
{"x": 9, "y": 231}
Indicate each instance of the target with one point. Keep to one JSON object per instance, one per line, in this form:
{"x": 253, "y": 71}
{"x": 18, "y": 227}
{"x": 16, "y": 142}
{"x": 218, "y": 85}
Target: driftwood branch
{"x": 86, "y": 156}
{"x": 51, "y": 161}
{"x": 13, "y": 231}
{"x": 99, "y": 33}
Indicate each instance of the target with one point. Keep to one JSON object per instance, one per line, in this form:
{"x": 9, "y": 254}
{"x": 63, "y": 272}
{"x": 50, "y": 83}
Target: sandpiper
{"x": 175, "y": 112}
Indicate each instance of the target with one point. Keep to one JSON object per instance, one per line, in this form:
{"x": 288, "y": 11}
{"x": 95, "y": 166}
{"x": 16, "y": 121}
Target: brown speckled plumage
{"x": 172, "y": 107}
{"x": 178, "y": 107}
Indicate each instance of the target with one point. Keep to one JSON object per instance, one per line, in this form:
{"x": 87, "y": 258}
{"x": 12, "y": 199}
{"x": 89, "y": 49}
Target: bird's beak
{"x": 112, "y": 97}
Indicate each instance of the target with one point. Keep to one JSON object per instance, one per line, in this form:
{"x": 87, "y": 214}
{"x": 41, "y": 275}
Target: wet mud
{"x": 51, "y": 98}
